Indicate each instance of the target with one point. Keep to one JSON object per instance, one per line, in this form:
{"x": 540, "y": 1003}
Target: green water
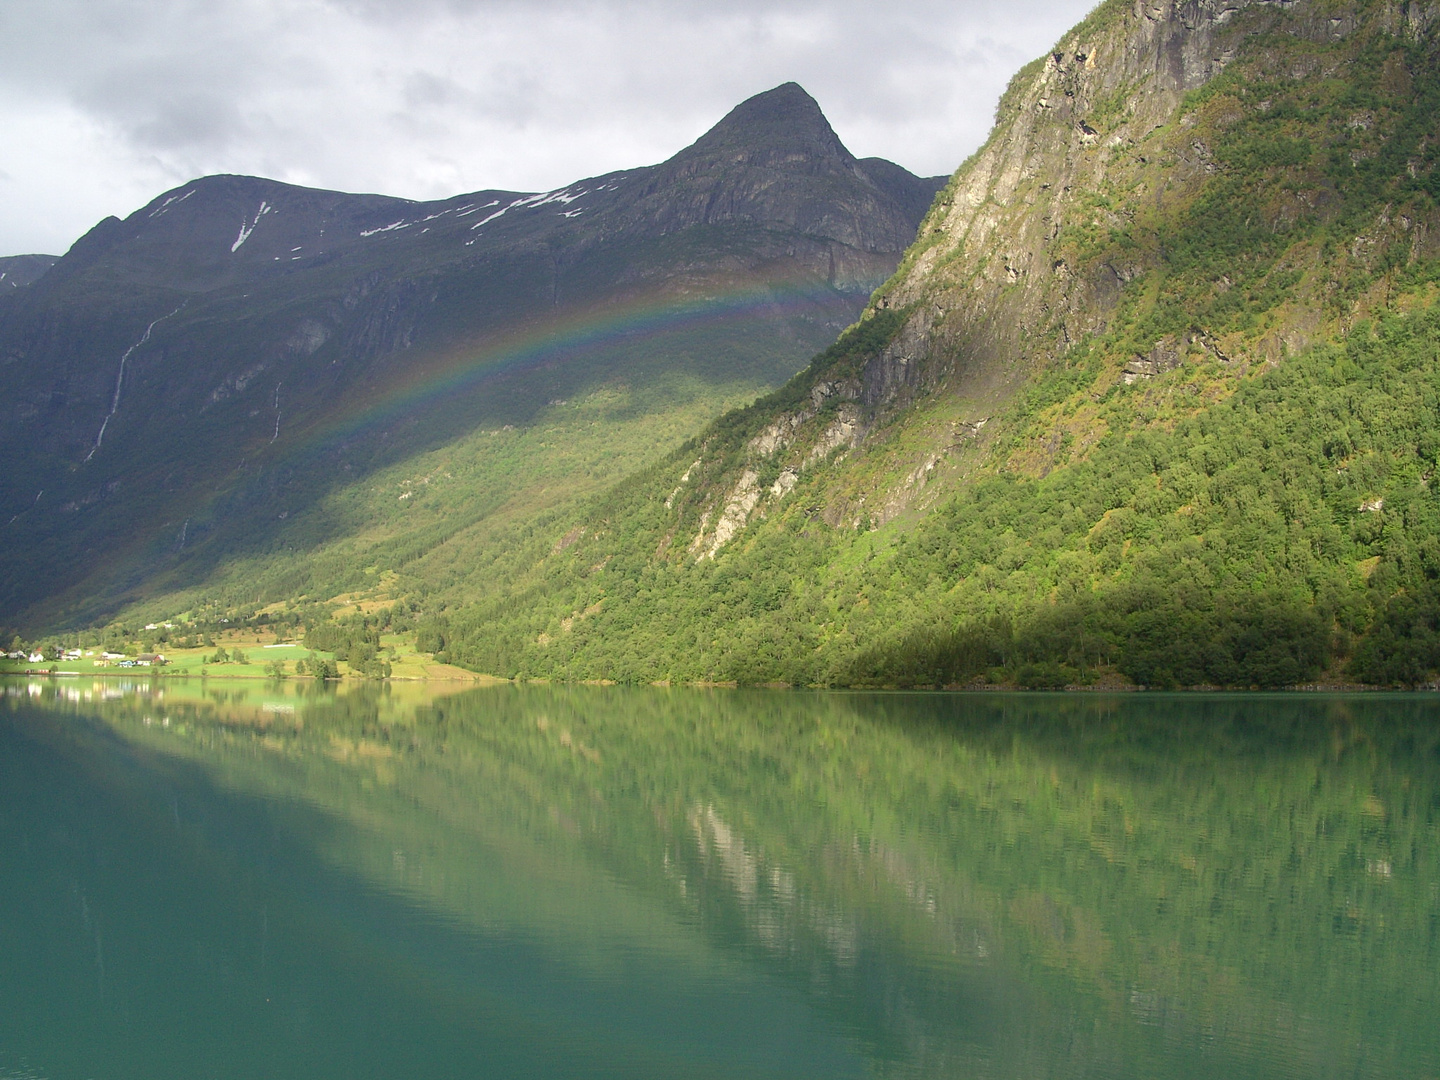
{"x": 265, "y": 880}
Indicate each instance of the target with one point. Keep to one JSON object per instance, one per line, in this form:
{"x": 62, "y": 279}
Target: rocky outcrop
{"x": 740, "y": 503}
{"x": 997, "y": 281}
{"x": 1100, "y": 152}
{"x": 801, "y": 440}
{"x": 898, "y": 370}
{"x": 1165, "y": 356}
{"x": 775, "y": 159}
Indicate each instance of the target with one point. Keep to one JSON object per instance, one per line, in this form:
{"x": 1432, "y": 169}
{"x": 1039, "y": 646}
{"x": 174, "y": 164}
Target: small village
{"x": 222, "y": 649}
{"x": 103, "y": 660}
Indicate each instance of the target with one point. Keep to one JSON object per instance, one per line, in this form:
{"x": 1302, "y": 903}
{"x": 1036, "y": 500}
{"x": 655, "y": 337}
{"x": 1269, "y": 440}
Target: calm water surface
{"x": 262, "y": 880}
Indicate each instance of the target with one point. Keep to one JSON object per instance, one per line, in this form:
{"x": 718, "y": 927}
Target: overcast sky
{"x": 106, "y": 103}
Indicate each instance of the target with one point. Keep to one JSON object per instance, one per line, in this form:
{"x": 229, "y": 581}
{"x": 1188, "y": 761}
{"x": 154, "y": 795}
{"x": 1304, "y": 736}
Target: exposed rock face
{"x": 801, "y": 441}
{"x": 1000, "y": 286}
{"x": 843, "y": 431}
{"x": 1162, "y": 358}
{"x": 739, "y": 505}
{"x": 775, "y": 159}
{"x": 899, "y": 369}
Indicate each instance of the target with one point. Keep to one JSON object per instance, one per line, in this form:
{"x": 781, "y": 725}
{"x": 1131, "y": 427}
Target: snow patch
{"x": 533, "y": 202}
{"x": 492, "y": 217}
{"x": 173, "y": 200}
{"x": 401, "y": 224}
{"x": 565, "y": 197}
{"x": 246, "y": 228}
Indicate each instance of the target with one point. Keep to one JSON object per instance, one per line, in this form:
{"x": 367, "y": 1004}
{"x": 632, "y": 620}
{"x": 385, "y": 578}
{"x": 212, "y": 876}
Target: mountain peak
{"x": 774, "y": 158}
{"x": 771, "y": 128}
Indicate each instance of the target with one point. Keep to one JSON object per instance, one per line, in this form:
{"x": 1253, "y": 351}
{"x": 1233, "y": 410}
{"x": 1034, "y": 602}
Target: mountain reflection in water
{"x": 232, "y": 879}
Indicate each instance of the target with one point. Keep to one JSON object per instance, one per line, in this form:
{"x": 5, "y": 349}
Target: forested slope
{"x": 1154, "y": 396}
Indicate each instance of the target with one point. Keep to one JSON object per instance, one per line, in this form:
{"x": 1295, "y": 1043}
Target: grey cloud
{"x": 424, "y": 90}
{"x": 187, "y": 122}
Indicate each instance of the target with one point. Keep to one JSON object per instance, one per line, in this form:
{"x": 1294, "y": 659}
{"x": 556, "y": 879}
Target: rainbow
{"x": 428, "y": 382}
{"x": 425, "y": 382}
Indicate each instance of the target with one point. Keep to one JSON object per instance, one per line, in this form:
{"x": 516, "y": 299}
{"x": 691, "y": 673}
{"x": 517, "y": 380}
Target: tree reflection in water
{"x": 747, "y": 883}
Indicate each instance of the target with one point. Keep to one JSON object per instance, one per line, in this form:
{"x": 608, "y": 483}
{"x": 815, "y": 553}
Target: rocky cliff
{"x": 1096, "y": 153}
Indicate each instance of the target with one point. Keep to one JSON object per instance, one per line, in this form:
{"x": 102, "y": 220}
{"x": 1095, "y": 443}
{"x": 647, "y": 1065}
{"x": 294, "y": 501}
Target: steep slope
{"x": 1154, "y": 396}
{"x": 185, "y": 382}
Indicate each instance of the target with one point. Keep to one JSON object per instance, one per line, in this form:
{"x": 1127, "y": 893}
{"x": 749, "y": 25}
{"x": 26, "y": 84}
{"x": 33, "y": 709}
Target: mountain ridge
{"x": 1151, "y": 400}
{"x": 248, "y": 312}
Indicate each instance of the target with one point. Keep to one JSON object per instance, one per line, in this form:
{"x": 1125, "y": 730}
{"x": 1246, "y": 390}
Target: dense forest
{"x": 1259, "y": 542}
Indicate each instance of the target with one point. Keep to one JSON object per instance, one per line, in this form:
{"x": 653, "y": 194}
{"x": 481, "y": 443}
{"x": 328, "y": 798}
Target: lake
{"x": 232, "y": 879}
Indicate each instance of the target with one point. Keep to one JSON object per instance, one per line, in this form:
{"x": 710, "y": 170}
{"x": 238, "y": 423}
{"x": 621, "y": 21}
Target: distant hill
{"x": 188, "y": 387}
{"x": 1153, "y": 399}
{"x": 17, "y": 271}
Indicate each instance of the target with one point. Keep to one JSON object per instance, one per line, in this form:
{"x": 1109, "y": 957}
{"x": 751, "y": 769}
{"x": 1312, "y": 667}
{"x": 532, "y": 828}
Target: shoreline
{"x": 151, "y": 673}
{"x": 967, "y": 688}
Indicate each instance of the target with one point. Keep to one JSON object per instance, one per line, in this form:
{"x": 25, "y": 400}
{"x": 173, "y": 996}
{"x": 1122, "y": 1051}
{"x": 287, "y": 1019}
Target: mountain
{"x": 1154, "y": 398}
{"x": 17, "y": 271}
{"x": 199, "y": 383}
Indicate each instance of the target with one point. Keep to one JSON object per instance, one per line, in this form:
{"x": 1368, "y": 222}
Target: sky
{"x": 104, "y": 104}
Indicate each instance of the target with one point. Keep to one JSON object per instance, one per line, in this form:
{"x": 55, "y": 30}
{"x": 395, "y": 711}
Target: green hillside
{"x": 1226, "y": 480}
